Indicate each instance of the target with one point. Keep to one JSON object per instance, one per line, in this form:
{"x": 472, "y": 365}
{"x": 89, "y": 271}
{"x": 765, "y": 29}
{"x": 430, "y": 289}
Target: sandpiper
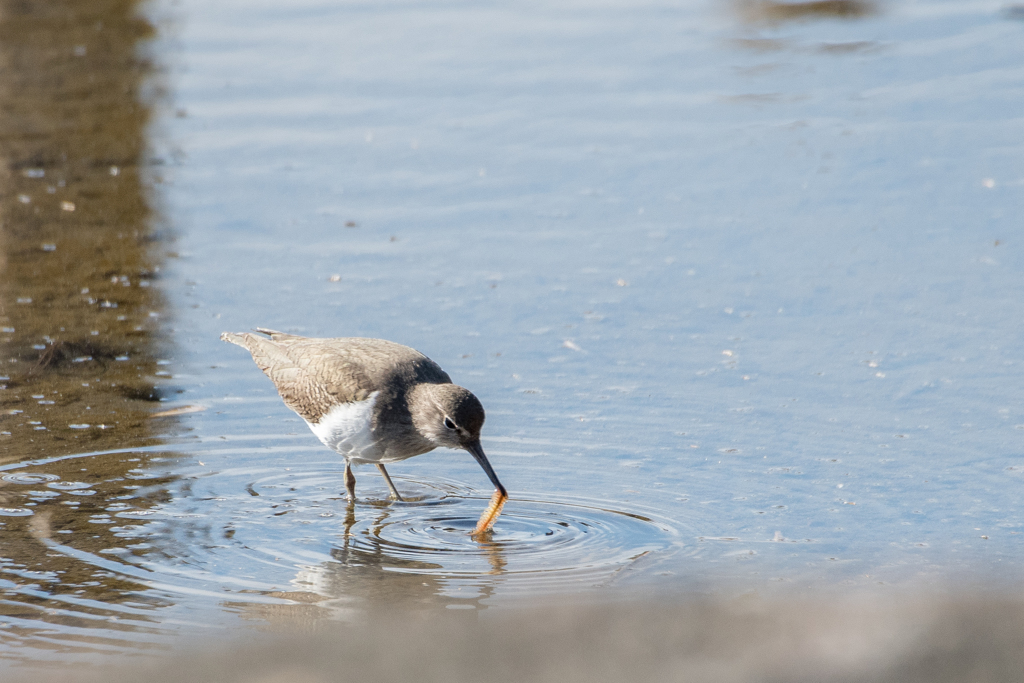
{"x": 373, "y": 401}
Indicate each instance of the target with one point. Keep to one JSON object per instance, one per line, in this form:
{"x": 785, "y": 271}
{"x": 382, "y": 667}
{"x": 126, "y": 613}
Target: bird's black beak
{"x": 477, "y": 451}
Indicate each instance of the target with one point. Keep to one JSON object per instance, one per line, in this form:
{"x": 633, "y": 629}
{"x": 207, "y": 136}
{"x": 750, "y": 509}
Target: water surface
{"x": 738, "y": 285}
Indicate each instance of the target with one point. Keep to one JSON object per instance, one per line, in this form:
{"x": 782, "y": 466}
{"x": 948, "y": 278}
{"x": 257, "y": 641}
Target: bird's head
{"x": 450, "y": 416}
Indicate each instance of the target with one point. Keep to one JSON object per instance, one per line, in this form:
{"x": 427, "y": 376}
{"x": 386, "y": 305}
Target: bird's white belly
{"x": 348, "y": 429}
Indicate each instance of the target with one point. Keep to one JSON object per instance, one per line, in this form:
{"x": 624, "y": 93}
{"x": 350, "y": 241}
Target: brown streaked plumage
{"x": 371, "y": 400}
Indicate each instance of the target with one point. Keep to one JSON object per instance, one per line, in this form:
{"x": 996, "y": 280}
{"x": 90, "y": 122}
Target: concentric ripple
{"x": 539, "y": 544}
{"x": 271, "y": 536}
{"x": 29, "y": 477}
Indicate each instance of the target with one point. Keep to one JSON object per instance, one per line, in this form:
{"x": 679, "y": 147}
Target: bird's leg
{"x": 350, "y": 482}
{"x": 387, "y": 478}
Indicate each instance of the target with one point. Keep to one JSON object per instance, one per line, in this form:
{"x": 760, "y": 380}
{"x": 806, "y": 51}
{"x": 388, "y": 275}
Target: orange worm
{"x": 491, "y": 513}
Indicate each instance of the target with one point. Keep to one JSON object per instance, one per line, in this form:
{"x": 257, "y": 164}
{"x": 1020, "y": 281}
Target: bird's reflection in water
{"x": 370, "y": 572}
{"x": 401, "y": 571}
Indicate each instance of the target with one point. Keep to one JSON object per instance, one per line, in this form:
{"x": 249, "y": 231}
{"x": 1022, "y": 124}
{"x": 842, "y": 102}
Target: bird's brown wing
{"x": 278, "y": 336}
{"x": 308, "y": 377}
{"x": 313, "y": 375}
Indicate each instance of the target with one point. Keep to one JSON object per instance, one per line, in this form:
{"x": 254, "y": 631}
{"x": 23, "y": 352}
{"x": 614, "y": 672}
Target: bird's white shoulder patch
{"x": 347, "y": 429}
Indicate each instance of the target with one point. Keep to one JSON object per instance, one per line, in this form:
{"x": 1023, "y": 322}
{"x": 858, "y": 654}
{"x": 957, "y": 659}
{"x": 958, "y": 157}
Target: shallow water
{"x": 738, "y": 285}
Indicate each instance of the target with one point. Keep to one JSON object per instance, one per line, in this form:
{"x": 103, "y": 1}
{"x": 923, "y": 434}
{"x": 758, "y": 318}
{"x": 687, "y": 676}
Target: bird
{"x": 373, "y": 401}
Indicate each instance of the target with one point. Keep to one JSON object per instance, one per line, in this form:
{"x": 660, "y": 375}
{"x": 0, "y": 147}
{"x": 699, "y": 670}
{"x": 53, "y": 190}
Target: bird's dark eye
{"x": 448, "y": 423}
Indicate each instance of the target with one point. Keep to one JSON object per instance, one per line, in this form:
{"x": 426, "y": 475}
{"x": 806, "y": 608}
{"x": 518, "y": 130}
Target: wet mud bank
{"x": 78, "y": 259}
{"x": 79, "y": 308}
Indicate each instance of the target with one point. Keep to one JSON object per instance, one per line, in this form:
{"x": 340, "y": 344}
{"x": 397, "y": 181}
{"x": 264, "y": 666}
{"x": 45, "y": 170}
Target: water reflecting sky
{"x": 739, "y": 286}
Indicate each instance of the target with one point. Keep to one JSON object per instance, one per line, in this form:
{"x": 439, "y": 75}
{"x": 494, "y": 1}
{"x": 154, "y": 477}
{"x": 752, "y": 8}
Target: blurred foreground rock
{"x": 746, "y": 640}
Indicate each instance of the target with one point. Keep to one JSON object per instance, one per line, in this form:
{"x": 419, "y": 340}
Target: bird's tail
{"x": 234, "y": 338}
{"x": 265, "y": 352}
